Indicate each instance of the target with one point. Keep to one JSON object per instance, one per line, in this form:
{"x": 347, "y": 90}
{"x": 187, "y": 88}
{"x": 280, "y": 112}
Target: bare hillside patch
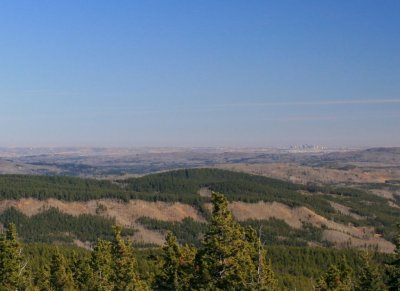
{"x": 394, "y": 205}
{"x": 295, "y": 217}
{"x": 345, "y": 210}
{"x": 383, "y": 193}
{"x": 342, "y": 239}
{"x": 244, "y": 211}
{"x": 204, "y": 192}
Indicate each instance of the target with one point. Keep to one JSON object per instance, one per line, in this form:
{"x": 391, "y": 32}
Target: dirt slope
{"x": 295, "y": 217}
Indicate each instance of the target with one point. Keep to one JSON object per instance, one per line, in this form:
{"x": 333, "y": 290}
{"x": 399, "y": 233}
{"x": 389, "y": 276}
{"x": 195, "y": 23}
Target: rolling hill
{"x": 288, "y": 213}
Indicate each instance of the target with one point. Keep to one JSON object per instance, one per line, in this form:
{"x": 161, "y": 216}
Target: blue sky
{"x": 199, "y": 73}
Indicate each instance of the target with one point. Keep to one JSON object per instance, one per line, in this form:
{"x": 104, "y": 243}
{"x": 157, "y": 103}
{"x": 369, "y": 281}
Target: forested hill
{"x": 335, "y": 206}
{"x": 180, "y": 185}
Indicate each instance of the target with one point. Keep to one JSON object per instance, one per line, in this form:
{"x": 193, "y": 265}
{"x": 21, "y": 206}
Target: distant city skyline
{"x": 199, "y": 74}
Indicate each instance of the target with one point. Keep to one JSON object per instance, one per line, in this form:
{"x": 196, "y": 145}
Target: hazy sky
{"x": 199, "y": 73}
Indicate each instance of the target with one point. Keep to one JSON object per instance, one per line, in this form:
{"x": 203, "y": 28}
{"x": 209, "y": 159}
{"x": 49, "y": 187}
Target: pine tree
{"x": 337, "y": 278}
{"x": 265, "y": 278}
{"x": 124, "y": 276}
{"x": 369, "y": 278}
{"x": 60, "y": 275}
{"x": 225, "y": 260}
{"x": 82, "y": 273}
{"x": 42, "y": 279}
{"x": 14, "y": 274}
{"x": 393, "y": 269}
{"x": 101, "y": 265}
{"x": 176, "y": 266}
{"x": 186, "y": 267}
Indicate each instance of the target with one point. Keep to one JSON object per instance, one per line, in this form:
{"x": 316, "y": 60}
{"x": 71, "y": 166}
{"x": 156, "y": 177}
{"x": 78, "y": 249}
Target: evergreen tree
{"x": 60, "y": 275}
{"x": 393, "y": 269}
{"x": 14, "y": 274}
{"x": 337, "y": 278}
{"x": 225, "y": 261}
{"x": 186, "y": 266}
{"x": 176, "y": 266}
{"x": 124, "y": 274}
{"x": 101, "y": 264}
{"x": 42, "y": 279}
{"x": 82, "y": 273}
{"x": 369, "y": 278}
{"x": 265, "y": 278}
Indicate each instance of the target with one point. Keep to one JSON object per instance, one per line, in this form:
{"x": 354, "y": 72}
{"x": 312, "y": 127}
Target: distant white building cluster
{"x": 307, "y": 148}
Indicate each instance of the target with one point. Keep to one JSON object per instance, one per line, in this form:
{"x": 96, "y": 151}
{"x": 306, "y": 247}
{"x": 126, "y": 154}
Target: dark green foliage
{"x": 41, "y": 278}
{"x": 40, "y": 254}
{"x": 302, "y": 266}
{"x": 101, "y": 265}
{"x": 296, "y": 267}
{"x": 338, "y": 277}
{"x": 110, "y": 266}
{"x": 53, "y": 225}
{"x": 187, "y": 231}
{"x": 82, "y": 273}
{"x": 184, "y": 184}
{"x": 63, "y": 188}
{"x": 393, "y": 268}
{"x": 14, "y": 274}
{"x": 369, "y": 277}
{"x": 124, "y": 275}
{"x": 231, "y": 257}
{"x": 397, "y": 197}
{"x": 263, "y": 277}
{"x": 278, "y": 232}
{"x": 176, "y": 266}
{"x": 61, "y": 277}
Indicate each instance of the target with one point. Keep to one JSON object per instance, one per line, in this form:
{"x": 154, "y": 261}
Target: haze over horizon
{"x": 199, "y": 74}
